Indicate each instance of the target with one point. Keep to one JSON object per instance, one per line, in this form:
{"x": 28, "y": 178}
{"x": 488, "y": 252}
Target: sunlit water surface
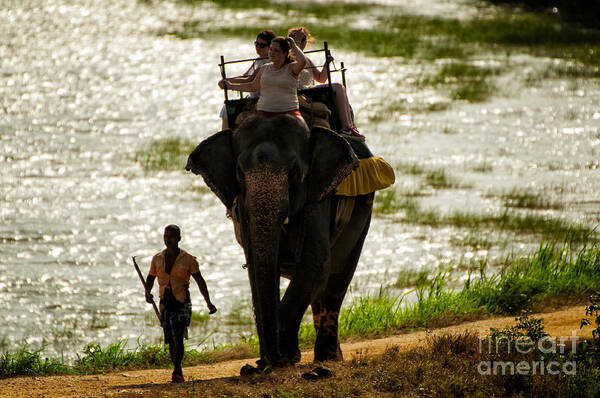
{"x": 85, "y": 84}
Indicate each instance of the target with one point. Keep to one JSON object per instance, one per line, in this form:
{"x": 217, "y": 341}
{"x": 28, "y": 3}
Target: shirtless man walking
{"x": 173, "y": 268}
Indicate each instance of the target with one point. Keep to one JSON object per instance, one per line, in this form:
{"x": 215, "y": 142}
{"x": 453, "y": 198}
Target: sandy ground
{"x": 156, "y": 382}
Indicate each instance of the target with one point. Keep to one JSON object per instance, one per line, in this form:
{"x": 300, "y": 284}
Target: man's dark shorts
{"x": 175, "y": 316}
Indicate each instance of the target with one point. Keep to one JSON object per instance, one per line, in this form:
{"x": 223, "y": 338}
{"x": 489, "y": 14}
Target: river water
{"x": 84, "y": 85}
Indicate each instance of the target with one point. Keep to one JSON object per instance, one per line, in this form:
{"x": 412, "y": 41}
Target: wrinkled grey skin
{"x": 281, "y": 174}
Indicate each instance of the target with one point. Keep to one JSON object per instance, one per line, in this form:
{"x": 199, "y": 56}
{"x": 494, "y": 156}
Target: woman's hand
{"x": 292, "y": 43}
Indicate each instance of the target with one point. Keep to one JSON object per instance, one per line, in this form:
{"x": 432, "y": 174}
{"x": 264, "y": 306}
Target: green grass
{"x": 167, "y": 154}
{"x": 522, "y": 283}
{"x": 465, "y": 81}
{"x": 318, "y": 9}
{"x": 98, "y": 359}
{"x": 391, "y": 111}
{"x": 26, "y": 362}
{"x": 548, "y": 228}
{"x": 410, "y": 278}
{"x": 483, "y": 167}
{"x": 386, "y": 202}
{"x": 410, "y": 168}
{"x": 438, "y": 179}
{"x": 528, "y": 200}
{"x": 474, "y": 239}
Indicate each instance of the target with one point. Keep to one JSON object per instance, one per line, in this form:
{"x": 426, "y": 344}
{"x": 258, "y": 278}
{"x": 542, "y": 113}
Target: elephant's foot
{"x": 317, "y": 373}
{"x": 327, "y": 348}
{"x": 264, "y": 367}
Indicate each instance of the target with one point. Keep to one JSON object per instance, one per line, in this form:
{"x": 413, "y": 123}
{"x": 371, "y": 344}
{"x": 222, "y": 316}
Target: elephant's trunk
{"x": 267, "y": 207}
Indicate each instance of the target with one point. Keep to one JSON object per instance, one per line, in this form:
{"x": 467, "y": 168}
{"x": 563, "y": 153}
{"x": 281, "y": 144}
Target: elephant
{"x": 279, "y": 180}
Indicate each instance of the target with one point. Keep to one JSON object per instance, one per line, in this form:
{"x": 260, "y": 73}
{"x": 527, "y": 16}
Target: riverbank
{"x": 378, "y": 367}
{"x": 556, "y": 275}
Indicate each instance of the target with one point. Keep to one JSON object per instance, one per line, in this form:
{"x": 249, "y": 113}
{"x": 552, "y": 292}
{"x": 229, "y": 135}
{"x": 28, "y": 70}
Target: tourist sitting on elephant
{"x": 261, "y": 44}
{"x": 307, "y": 77}
{"x": 277, "y": 81}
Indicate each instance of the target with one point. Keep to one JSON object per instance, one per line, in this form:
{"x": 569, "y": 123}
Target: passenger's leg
{"x": 342, "y": 105}
{"x": 343, "y": 108}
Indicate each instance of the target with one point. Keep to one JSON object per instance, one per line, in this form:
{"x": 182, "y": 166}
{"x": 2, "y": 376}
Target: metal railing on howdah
{"x": 325, "y": 49}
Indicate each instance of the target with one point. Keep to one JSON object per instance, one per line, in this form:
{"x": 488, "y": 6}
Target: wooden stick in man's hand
{"x": 151, "y": 301}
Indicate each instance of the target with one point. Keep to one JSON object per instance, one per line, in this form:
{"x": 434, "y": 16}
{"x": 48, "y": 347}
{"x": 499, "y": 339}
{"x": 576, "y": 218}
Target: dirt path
{"x": 156, "y": 382}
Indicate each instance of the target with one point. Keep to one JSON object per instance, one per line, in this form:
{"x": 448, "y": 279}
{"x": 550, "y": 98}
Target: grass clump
{"x": 25, "y": 362}
{"x": 391, "y": 111}
{"x": 167, "y": 154}
{"x": 386, "y": 202}
{"x": 555, "y": 230}
{"x": 410, "y": 168}
{"x": 528, "y": 200}
{"x": 438, "y": 179}
{"x": 466, "y": 81}
{"x": 411, "y": 278}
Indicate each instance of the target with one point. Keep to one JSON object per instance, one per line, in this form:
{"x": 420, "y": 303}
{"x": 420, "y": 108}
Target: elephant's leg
{"x": 344, "y": 256}
{"x": 308, "y": 278}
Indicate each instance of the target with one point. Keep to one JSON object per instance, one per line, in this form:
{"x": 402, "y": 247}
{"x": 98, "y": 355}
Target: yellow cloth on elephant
{"x": 372, "y": 175}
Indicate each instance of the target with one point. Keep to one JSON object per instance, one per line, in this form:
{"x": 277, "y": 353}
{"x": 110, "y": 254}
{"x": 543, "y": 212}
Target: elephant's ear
{"x": 332, "y": 160}
{"x": 213, "y": 158}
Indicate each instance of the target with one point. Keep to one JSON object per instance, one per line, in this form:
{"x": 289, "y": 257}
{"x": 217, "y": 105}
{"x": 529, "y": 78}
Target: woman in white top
{"x": 302, "y": 36}
{"x": 277, "y": 81}
{"x": 261, "y": 44}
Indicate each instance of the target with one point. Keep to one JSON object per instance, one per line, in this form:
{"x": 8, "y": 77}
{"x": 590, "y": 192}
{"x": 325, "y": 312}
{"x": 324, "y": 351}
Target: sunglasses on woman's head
{"x": 261, "y": 44}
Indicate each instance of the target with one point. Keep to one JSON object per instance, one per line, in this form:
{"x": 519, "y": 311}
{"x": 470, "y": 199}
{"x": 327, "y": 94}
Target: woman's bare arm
{"x": 296, "y": 67}
{"x": 250, "y": 86}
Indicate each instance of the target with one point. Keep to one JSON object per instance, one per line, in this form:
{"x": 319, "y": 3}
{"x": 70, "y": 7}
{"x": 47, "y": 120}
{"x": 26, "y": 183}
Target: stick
{"x": 144, "y": 283}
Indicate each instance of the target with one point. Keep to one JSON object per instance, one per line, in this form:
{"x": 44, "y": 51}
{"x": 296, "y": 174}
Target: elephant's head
{"x": 275, "y": 169}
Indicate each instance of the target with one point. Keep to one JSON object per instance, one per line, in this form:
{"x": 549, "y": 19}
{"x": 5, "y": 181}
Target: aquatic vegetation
{"x": 385, "y": 202}
{"x": 165, "y": 154}
{"x": 438, "y": 179}
{"x": 240, "y": 314}
{"x": 198, "y": 318}
{"x": 549, "y": 228}
{"x": 431, "y": 38}
{"x": 465, "y": 81}
{"x": 390, "y": 111}
{"x": 319, "y": 9}
{"x": 483, "y": 167}
{"x": 410, "y": 168}
{"x": 410, "y": 278}
{"x": 528, "y": 200}
{"x": 474, "y": 239}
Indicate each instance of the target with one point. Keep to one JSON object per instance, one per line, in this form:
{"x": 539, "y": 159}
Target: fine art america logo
{"x": 547, "y": 346}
